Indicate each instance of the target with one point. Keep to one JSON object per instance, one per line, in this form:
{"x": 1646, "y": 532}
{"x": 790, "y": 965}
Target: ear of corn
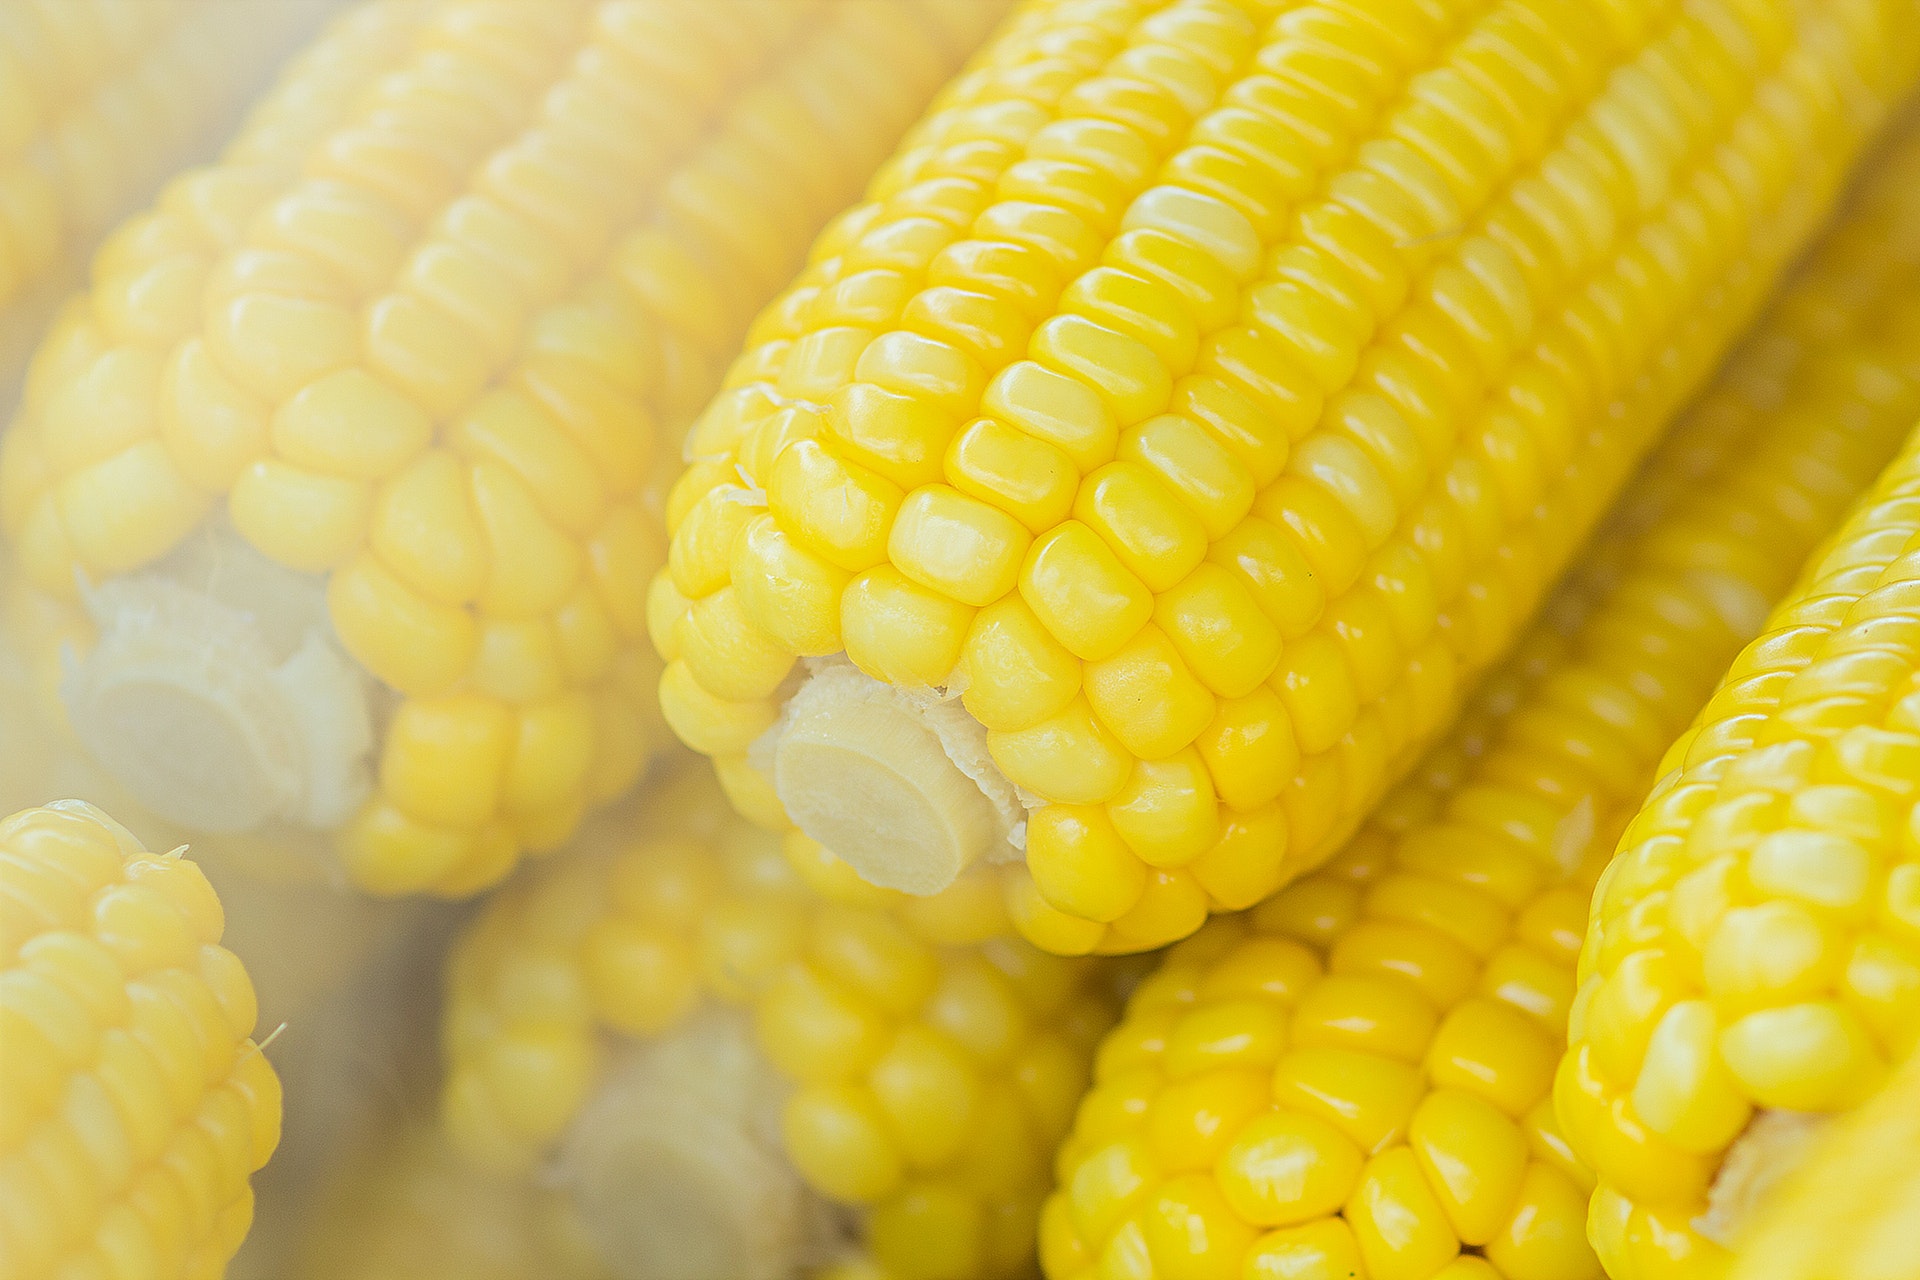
{"x": 1850, "y": 1209}
{"x": 1354, "y": 1078}
{"x": 1751, "y": 962}
{"x": 133, "y": 1105}
{"x": 348, "y": 462}
{"x": 1242, "y": 375}
{"x": 728, "y": 1072}
{"x": 98, "y": 100}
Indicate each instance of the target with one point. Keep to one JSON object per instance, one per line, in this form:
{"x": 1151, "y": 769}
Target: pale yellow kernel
{"x": 303, "y": 519}
{"x": 424, "y": 529}
{"x": 1025, "y": 476}
{"x": 416, "y": 645}
{"x": 350, "y": 424}
{"x": 444, "y": 759}
{"x": 1056, "y": 409}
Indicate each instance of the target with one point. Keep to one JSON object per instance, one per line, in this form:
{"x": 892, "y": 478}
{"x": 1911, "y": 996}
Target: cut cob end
{"x": 865, "y": 772}
{"x": 671, "y": 1179}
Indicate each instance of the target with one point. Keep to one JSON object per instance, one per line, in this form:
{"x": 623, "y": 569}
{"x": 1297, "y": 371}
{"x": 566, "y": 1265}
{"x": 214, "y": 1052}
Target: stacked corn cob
{"x": 1849, "y": 1212}
{"x": 350, "y": 456}
{"x": 729, "y": 1073}
{"x": 133, "y": 1106}
{"x": 98, "y": 99}
{"x": 1354, "y": 1079}
{"x": 1188, "y": 423}
{"x": 1752, "y": 960}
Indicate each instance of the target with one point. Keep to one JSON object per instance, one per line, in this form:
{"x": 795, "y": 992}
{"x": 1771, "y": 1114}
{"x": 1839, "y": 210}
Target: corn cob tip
{"x": 1772, "y": 1149}
{"x": 675, "y": 1168}
{"x": 895, "y": 784}
{"x": 218, "y": 696}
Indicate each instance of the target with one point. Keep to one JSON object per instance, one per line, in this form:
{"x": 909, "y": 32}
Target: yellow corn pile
{"x": 350, "y": 455}
{"x": 1849, "y": 1211}
{"x": 133, "y": 1106}
{"x": 98, "y": 100}
{"x": 1354, "y": 1078}
{"x": 1192, "y": 417}
{"x": 729, "y": 1074}
{"x": 1752, "y": 961}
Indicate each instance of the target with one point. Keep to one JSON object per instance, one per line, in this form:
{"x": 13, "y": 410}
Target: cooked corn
{"x": 1354, "y": 1078}
{"x": 731, "y": 1074}
{"x": 98, "y": 100}
{"x": 1852, "y": 1210}
{"x": 1752, "y": 961}
{"x": 1204, "y": 403}
{"x": 133, "y": 1105}
{"x": 349, "y": 455}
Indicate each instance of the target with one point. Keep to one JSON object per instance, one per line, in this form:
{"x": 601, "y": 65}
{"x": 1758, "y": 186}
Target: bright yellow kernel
{"x": 1155, "y": 537}
{"x": 1366, "y": 1096}
{"x": 928, "y": 1091}
{"x": 957, "y": 545}
{"x": 1082, "y": 593}
{"x": 1399, "y": 1223}
{"x": 1474, "y": 1159}
{"x": 1315, "y": 683}
{"x": 898, "y": 631}
{"x": 839, "y": 511}
{"x": 1214, "y": 485}
{"x": 1286, "y": 1168}
{"x": 1056, "y": 409}
{"x": 1323, "y": 1250}
{"x": 1804, "y": 1057}
{"x": 1191, "y": 1233}
{"x": 790, "y": 593}
{"x": 1016, "y": 673}
{"x": 1243, "y": 1032}
{"x": 1126, "y": 373}
{"x": 1021, "y": 474}
{"x": 1249, "y": 749}
{"x": 1080, "y": 864}
{"x": 1167, "y": 813}
{"x": 1146, "y": 696}
{"x": 1067, "y": 757}
{"x": 727, "y": 652}
{"x": 1216, "y": 624}
{"x": 1270, "y": 566}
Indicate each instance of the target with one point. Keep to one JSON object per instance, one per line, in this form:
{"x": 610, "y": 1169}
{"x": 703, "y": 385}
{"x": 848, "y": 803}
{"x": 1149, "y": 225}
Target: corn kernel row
{"x": 1328, "y": 320}
{"x": 414, "y": 345}
{"x": 133, "y": 1106}
{"x": 922, "y": 1086}
{"x": 1355, "y": 1078}
{"x": 97, "y": 99}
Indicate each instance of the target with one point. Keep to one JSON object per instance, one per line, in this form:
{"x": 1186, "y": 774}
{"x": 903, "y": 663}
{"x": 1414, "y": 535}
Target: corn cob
{"x": 1234, "y": 381}
{"x": 1353, "y": 1079}
{"x": 1752, "y": 961}
{"x": 98, "y": 100}
{"x": 348, "y": 458}
{"x": 133, "y": 1105}
{"x": 730, "y": 1074}
{"x": 1852, "y": 1210}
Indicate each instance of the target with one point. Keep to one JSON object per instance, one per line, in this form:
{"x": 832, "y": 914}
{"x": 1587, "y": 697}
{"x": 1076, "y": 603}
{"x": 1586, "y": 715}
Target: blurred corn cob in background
{"x": 347, "y": 466}
{"x": 724, "y": 1072}
{"x": 133, "y": 1105}
{"x": 1852, "y": 1209}
{"x": 1147, "y": 483}
{"x": 1354, "y": 1078}
{"x": 1752, "y": 956}
{"x": 99, "y": 100}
